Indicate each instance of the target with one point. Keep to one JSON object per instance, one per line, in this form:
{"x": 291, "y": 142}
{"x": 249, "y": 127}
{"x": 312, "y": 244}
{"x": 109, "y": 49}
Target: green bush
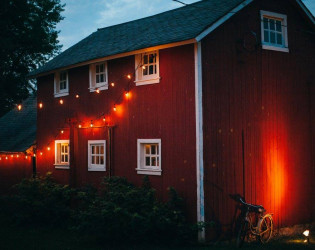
{"x": 39, "y": 201}
{"x": 125, "y": 213}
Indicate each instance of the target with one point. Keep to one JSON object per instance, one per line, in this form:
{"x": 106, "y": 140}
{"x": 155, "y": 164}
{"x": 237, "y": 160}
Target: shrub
{"x": 39, "y": 201}
{"x": 127, "y": 214}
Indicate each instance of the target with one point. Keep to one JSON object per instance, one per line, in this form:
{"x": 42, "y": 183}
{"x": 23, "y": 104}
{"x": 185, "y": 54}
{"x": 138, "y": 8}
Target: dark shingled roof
{"x": 18, "y": 128}
{"x": 168, "y": 27}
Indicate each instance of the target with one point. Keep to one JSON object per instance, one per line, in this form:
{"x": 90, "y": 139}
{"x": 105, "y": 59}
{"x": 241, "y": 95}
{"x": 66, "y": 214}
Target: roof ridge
{"x": 147, "y": 17}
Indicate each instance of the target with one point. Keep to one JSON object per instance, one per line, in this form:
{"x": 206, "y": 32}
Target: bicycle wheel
{"x": 242, "y": 232}
{"x": 265, "y": 228}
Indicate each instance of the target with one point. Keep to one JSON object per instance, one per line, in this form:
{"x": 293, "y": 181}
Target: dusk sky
{"x": 82, "y": 17}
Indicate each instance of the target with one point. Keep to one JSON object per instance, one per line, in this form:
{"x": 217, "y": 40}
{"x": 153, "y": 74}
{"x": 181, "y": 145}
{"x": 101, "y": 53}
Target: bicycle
{"x": 253, "y": 222}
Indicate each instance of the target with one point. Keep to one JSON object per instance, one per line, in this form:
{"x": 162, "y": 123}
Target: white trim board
{"x": 199, "y": 139}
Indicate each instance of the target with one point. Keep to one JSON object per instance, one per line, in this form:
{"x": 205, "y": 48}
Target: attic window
{"x": 61, "y": 84}
{"x": 62, "y": 154}
{"x": 274, "y": 33}
{"x": 147, "y": 68}
{"x": 98, "y": 76}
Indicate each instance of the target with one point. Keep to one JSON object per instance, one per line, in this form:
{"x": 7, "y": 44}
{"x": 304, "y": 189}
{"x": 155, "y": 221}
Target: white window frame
{"x": 57, "y": 91}
{"x": 58, "y": 164}
{"x": 96, "y": 167}
{"x": 283, "y": 19}
{"x": 146, "y": 79}
{"x": 141, "y": 168}
{"x": 102, "y": 85}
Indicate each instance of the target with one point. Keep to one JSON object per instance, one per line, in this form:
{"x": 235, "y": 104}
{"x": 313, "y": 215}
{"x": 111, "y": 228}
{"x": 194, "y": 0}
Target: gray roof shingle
{"x": 18, "y": 128}
{"x": 171, "y": 26}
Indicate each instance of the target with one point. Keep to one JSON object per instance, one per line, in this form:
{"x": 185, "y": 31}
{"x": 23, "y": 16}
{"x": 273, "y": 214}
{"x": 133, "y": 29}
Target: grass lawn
{"x": 13, "y": 237}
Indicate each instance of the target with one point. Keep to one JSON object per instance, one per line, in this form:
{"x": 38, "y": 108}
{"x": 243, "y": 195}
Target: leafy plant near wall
{"x": 118, "y": 213}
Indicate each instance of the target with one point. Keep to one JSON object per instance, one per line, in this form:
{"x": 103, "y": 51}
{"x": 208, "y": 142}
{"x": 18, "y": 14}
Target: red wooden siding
{"x": 267, "y": 95}
{"x": 165, "y": 110}
{"x": 13, "y": 170}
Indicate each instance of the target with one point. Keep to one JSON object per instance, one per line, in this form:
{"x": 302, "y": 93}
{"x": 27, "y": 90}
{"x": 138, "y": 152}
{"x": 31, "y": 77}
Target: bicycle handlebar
{"x": 255, "y": 208}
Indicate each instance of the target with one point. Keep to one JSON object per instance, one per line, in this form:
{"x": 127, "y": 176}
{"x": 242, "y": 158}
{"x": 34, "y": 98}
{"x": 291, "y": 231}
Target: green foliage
{"x": 40, "y": 201}
{"x": 118, "y": 213}
{"x": 28, "y": 38}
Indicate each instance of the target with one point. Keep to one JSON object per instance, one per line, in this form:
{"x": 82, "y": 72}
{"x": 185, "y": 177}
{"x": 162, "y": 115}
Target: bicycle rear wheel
{"x": 265, "y": 228}
{"x": 242, "y": 232}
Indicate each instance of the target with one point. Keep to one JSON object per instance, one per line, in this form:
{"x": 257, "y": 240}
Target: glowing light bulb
{"x": 104, "y": 119}
{"x": 77, "y": 96}
{"x": 0, "y": 158}
{"x": 80, "y": 126}
{"x": 61, "y": 101}
{"x": 41, "y": 153}
{"x": 143, "y": 67}
{"x": 306, "y": 233}
{"x": 112, "y": 84}
{"x": 129, "y": 76}
{"x": 17, "y": 156}
{"x": 62, "y": 131}
{"x": 48, "y": 148}
{"x": 6, "y": 157}
{"x": 11, "y": 156}
{"x": 34, "y": 155}
{"x": 19, "y": 107}
{"x": 97, "y": 91}
{"x": 40, "y": 105}
{"x": 115, "y": 109}
{"x": 91, "y": 125}
{"x": 26, "y": 157}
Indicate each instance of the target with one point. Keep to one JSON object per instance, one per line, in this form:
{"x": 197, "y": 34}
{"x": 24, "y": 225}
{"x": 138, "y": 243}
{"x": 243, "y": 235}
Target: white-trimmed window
{"x": 149, "y": 156}
{"x": 147, "y": 68}
{"x": 96, "y": 155}
{"x": 98, "y": 76}
{"x": 274, "y": 32}
{"x": 62, "y": 154}
{"x": 61, "y": 84}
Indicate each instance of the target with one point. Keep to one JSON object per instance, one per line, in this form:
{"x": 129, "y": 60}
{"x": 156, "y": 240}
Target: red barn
{"x": 213, "y": 98}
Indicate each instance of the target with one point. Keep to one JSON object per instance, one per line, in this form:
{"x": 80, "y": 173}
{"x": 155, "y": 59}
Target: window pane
{"x": 93, "y": 149}
{"x": 147, "y": 149}
{"x": 147, "y": 161}
{"x": 272, "y": 37}
{"x": 272, "y": 24}
{"x": 151, "y": 58}
{"x": 145, "y": 71}
{"x": 97, "y": 78}
{"x": 97, "y": 158}
{"x": 279, "y": 38}
{"x": 153, "y": 151}
{"x": 97, "y": 69}
{"x": 102, "y": 68}
{"x": 150, "y": 69}
{"x": 93, "y": 159}
{"x": 158, "y": 161}
{"x": 62, "y": 158}
{"x": 102, "y": 78}
{"x": 265, "y": 23}
{"x": 66, "y": 158}
{"x": 154, "y": 69}
{"x": 97, "y": 149}
{"x": 145, "y": 59}
{"x": 266, "y": 36}
{"x": 153, "y": 161}
{"x": 102, "y": 160}
{"x": 66, "y": 148}
{"x": 278, "y": 25}
{"x": 102, "y": 150}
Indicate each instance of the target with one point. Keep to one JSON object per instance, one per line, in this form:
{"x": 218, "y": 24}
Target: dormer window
{"x": 274, "y": 33}
{"x": 61, "y": 84}
{"x": 98, "y": 76}
{"x": 147, "y": 68}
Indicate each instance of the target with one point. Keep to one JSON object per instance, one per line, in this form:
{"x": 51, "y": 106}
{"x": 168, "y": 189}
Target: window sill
{"x": 149, "y": 171}
{"x": 58, "y": 166}
{"x": 97, "y": 170}
{"x": 103, "y": 87}
{"x": 61, "y": 94}
{"x": 147, "y": 81}
{"x": 275, "y": 48}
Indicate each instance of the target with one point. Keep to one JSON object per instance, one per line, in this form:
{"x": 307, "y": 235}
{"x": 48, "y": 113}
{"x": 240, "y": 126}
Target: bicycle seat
{"x": 252, "y": 208}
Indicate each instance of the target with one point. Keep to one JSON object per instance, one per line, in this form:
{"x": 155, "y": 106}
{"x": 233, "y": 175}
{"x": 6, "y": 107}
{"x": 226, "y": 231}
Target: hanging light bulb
{"x": 0, "y": 158}
{"x": 91, "y": 125}
{"x": 11, "y": 156}
{"x": 17, "y": 156}
{"x": 26, "y": 157}
{"x": 48, "y": 148}
{"x": 61, "y": 101}
{"x": 143, "y": 67}
{"x": 115, "y": 109}
{"x": 77, "y": 96}
{"x": 97, "y": 91}
{"x": 104, "y": 119}
{"x": 34, "y": 155}
{"x": 6, "y": 157}
{"x": 41, "y": 153}
{"x": 129, "y": 76}
{"x": 112, "y": 84}
{"x": 19, "y": 107}
{"x": 40, "y": 105}
{"x": 62, "y": 131}
{"x": 127, "y": 94}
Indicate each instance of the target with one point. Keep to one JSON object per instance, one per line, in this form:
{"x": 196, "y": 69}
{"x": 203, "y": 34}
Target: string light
{"x": 34, "y": 155}
{"x": 11, "y": 156}
{"x": 79, "y": 126}
{"x": 41, "y": 153}
{"x": 0, "y": 158}
{"x": 26, "y": 157}
{"x": 143, "y": 67}
{"x": 61, "y": 101}
{"x": 17, "y": 156}
{"x": 40, "y": 105}
{"x": 127, "y": 94}
{"x": 48, "y": 148}
{"x": 91, "y": 125}
{"x": 115, "y": 109}
{"x": 77, "y": 96}
{"x": 129, "y": 76}
{"x": 62, "y": 131}
{"x": 19, "y": 107}
{"x": 112, "y": 84}
{"x": 104, "y": 119}
{"x": 97, "y": 91}
{"x": 6, "y": 157}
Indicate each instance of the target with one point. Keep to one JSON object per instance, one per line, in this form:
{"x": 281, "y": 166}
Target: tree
{"x": 28, "y": 38}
